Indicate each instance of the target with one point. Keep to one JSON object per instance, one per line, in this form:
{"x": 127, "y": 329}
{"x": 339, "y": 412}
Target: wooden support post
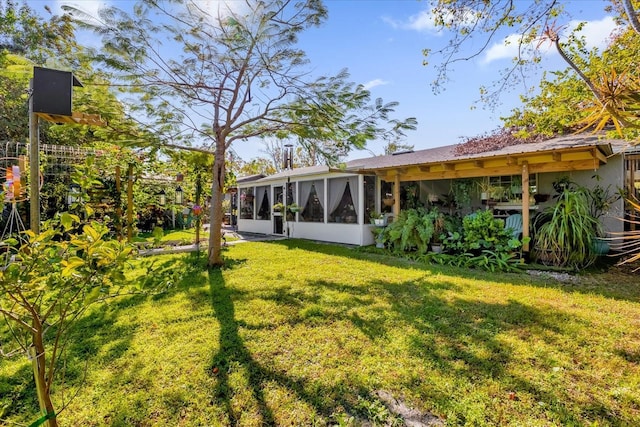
{"x": 396, "y": 196}
{"x": 198, "y": 193}
{"x": 34, "y": 168}
{"x": 130, "y": 203}
{"x": 525, "y": 204}
{"x": 118, "y": 203}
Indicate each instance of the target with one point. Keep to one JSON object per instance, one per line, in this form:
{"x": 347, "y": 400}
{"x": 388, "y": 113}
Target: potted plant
{"x": 278, "y": 207}
{"x": 378, "y": 219}
{"x": 379, "y": 233}
{"x": 485, "y": 189}
{"x": 388, "y": 200}
{"x": 438, "y": 233}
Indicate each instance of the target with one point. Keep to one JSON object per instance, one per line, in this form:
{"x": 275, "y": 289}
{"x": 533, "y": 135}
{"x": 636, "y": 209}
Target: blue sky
{"x": 380, "y": 42}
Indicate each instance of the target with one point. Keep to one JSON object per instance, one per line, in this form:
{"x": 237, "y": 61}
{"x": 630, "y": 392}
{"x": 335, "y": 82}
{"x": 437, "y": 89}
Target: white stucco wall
{"x": 611, "y": 174}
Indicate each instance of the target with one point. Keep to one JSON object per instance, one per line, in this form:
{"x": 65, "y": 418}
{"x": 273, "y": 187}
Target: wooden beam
{"x": 426, "y": 169}
{"x": 478, "y": 163}
{"x": 448, "y": 166}
{"x": 396, "y": 196}
{"x": 599, "y": 155}
{"x": 511, "y": 161}
{"x": 525, "y": 206}
{"x": 74, "y": 118}
{"x": 557, "y": 157}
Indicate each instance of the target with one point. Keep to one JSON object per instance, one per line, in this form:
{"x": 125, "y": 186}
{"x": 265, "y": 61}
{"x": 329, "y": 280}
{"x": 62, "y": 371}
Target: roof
{"x": 250, "y": 178}
{"x": 309, "y": 170}
{"x": 572, "y": 152}
{"x": 448, "y": 153}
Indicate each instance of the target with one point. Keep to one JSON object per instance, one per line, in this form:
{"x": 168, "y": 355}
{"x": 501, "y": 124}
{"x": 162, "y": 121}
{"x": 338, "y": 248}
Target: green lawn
{"x": 297, "y": 333}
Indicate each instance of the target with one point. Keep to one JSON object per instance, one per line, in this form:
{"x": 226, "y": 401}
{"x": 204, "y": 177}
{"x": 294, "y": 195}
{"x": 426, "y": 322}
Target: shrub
{"x": 566, "y": 232}
{"x": 412, "y": 231}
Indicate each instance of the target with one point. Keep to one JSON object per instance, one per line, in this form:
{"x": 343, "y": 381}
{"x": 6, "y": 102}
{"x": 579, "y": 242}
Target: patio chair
{"x": 514, "y": 222}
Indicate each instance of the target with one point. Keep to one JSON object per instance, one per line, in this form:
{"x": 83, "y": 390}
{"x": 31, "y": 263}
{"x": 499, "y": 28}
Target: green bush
{"x": 481, "y": 231}
{"x": 412, "y": 231}
{"x": 481, "y": 242}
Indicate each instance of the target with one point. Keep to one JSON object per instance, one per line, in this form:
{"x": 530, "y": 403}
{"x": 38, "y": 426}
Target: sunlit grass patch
{"x": 299, "y": 333}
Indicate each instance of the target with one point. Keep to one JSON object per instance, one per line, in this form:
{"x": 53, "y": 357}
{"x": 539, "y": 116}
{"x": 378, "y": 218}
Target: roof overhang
{"x": 588, "y": 157}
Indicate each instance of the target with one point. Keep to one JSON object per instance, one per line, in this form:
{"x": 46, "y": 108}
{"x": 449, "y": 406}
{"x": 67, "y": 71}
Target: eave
{"x": 557, "y": 160}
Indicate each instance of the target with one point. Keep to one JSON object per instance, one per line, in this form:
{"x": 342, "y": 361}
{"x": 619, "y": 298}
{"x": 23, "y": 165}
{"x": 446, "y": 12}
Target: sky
{"x": 380, "y": 42}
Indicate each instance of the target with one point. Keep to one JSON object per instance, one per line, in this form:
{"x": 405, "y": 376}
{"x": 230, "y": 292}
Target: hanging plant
{"x": 461, "y": 190}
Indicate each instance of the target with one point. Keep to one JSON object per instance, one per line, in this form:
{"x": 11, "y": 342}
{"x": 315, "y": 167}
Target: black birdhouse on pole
{"x": 52, "y": 91}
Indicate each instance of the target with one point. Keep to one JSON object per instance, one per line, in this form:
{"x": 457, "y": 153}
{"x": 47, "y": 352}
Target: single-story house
{"x": 335, "y": 204}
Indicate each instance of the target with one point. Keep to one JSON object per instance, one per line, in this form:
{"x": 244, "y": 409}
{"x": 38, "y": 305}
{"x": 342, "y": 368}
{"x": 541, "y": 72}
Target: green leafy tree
{"x": 237, "y": 75}
{"x": 24, "y": 32}
{"x": 613, "y": 90}
{"x": 49, "y": 283}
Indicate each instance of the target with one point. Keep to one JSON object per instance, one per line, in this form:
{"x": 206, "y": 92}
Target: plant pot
{"x": 380, "y": 222}
{"x": 600, "y": 246}
{"x": 484, "y": 196}
{"x": 388, "y": 202}
{"x": 436, "y": 248}
{"x": 294, "y": 209}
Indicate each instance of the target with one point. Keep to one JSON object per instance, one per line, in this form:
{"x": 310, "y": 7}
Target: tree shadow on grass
{"x": 233, "y": 355}
{"x": 616, "y": 283}
{"x": 464, "y": 338}
{"x": 459, "y": 337}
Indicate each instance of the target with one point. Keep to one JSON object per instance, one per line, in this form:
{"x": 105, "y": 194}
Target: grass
{"x": 298, "y": 333}
{"x": 186, "y": 237}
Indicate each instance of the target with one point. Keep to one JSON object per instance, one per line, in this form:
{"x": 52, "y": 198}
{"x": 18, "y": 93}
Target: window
{"x": 369, "y": 188}
{"x": 342, "y": 200}
{"x": 246, "y": 203}
{"x": 311, "y": 201}
{"x": 263, "y": 205}
{"x": 504, "y": 188}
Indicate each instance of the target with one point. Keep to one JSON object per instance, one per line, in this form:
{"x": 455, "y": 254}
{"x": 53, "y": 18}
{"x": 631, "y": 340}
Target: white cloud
{"x": 421, "y": 22}
{"x": 425, "y": 21}
{"x": 89, "y": 7}
{"x": 375, "y": 82}
{"x": 214, "y": 9}
{"x": 595, "y": 33}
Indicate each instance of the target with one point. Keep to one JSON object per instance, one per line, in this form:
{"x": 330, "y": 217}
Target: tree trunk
{"x": 215, "y": 210}
{"x": 39, "y": 374}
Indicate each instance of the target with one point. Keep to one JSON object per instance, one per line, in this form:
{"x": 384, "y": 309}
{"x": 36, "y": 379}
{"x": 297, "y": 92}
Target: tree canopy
{"x": 604, "y": 85}
{"x": 218, "y": 77}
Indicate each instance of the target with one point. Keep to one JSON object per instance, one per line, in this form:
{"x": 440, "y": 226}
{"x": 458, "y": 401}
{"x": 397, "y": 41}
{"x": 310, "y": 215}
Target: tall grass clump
{"x": 567, "y": 232}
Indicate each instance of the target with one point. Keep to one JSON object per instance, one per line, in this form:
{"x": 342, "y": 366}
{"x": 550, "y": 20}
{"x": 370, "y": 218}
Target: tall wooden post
{"x": 525, "y": 205}
{"x": 34, "y": 167}
{"x": 198, "y": 194}
{"x": 118, "y": 203}
{"x": 396, "y": 196}
{"x": 130, "y": 202}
